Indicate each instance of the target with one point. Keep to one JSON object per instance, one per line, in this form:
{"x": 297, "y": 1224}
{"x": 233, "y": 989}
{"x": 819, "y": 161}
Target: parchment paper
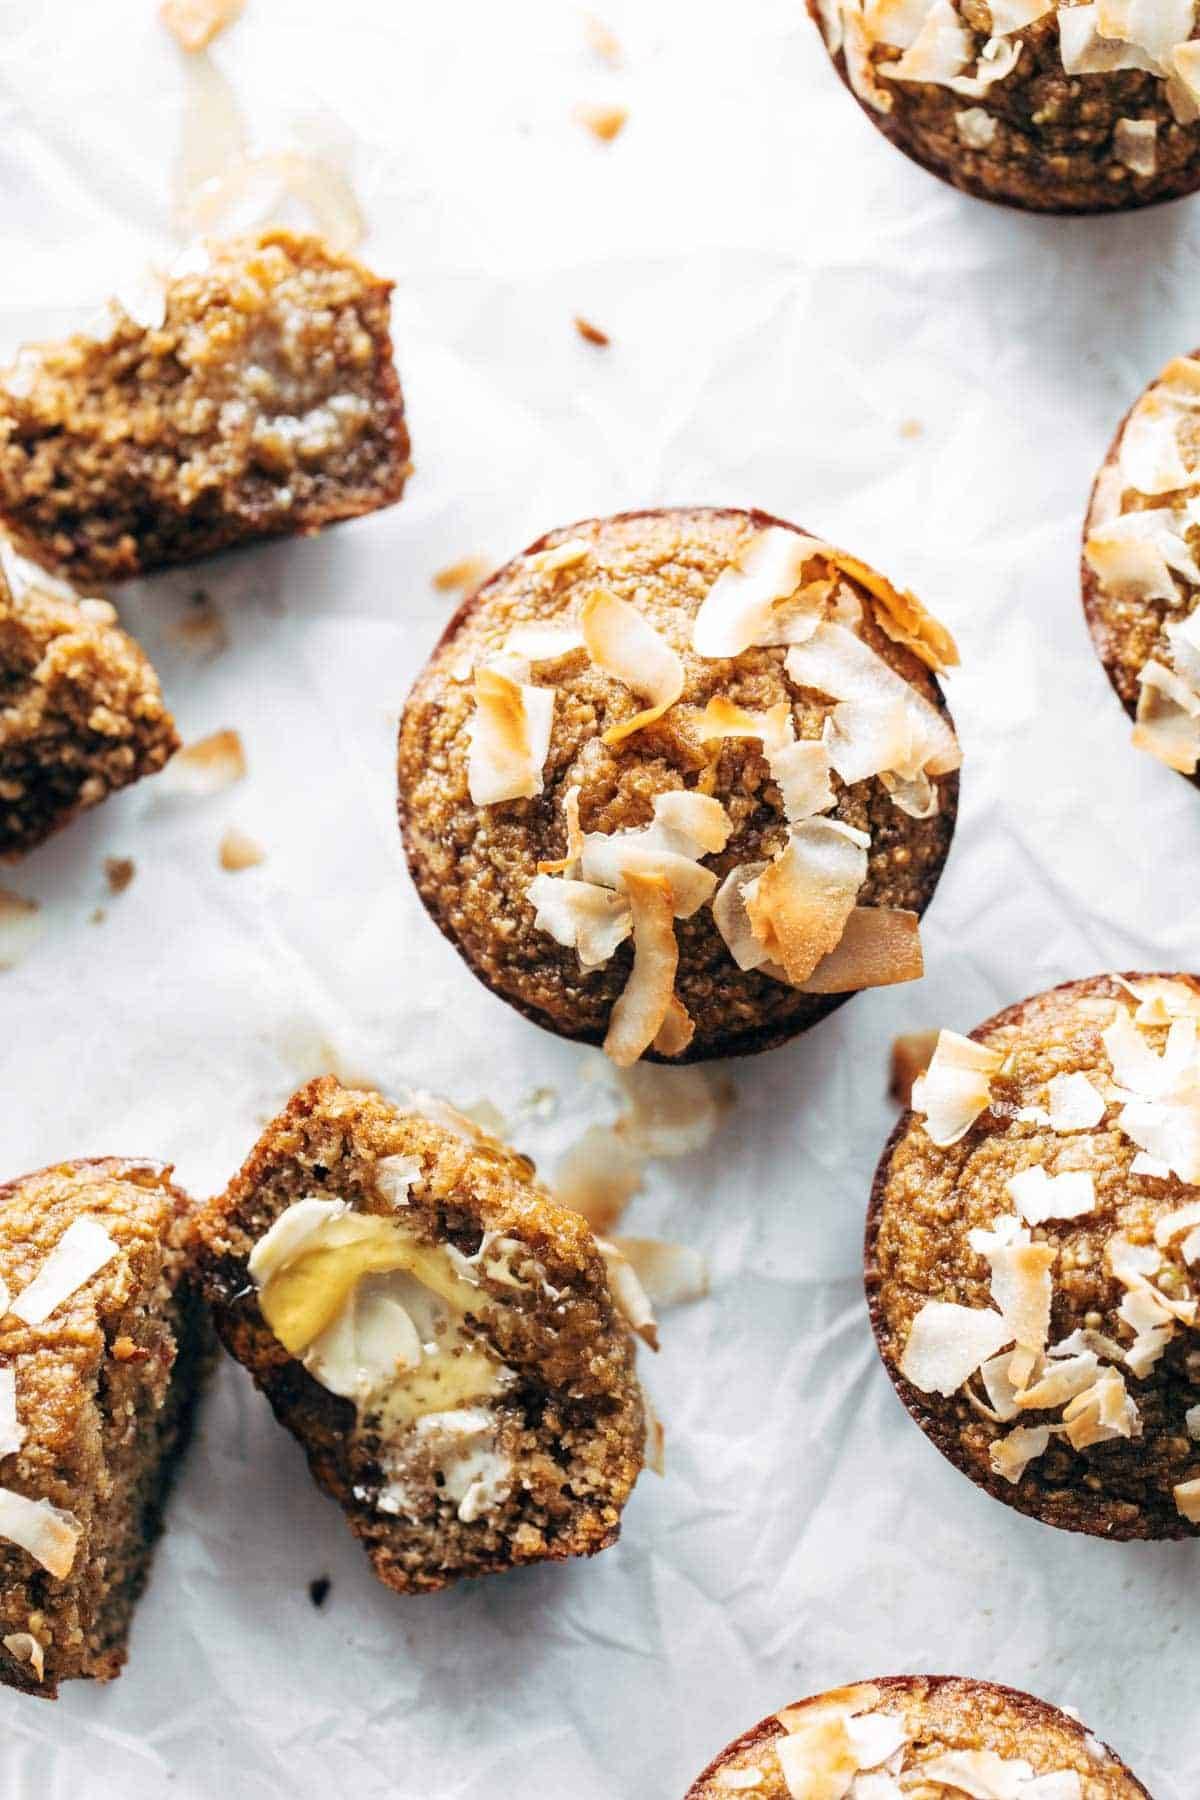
{"x": 783, "y": 292}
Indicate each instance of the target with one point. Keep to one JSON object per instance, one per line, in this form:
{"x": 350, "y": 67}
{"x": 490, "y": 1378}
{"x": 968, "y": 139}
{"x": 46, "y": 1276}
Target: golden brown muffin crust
{"x": 472, "y": 865}
{"x": 945, "y": 1712}
{"x": 924, "y": 1202}
{"x": 265, "y": 403}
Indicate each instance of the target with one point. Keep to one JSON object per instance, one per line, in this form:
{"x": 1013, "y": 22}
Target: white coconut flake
{"x": 629, "y": 1295}
{"x": 47, "y": 1532}
{"x": 84, "y": 1248}
{"x": 1135, "y": 144}
{"x": 956, "y": 1087}
{"x": 737, "y": 610}
{"x": 947, "y": 1343}
{"x": 1075, "y": 1105}
{"x": 12, "y": 1432}
{"x": 1040, "y": 1196}
{"x": 980, "y": 1773}
{"x": 27, "y": 1649}
{"x": 581, "y": 915}
{"x": 1012, "y": 1454}
{"x": 1152, "y": 1166}
{"x": 394, "y": 1176}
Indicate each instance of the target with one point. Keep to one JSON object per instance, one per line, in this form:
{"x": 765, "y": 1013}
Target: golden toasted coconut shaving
{"x": 463, "y": 576}
{"x": 624, "y": 645}
{"x": 956, "y": 1087}
{"x": 1160, "y": 999}
{"x": 1168, "y": 719}
{"x": 676, "y": 1031}
{"x": 901, "y": 616}
{"x": 630, "y": 1296}
{"x": 685, "y": 826}
{"x": 20, "y": 927}
{"x": 748, "y": 602}
{"x": 832, "y": 1742}
{"x": 238, "y": 851}
{"x": 604, "y": 122}
{"x": 205, "y": 767}
{"x": 641, "y": 1009}
{"x": 566, "y": 864}
{"x": 195, "y": 23}
{"x": 879, "y": 947}
{"x": 510, "y": 738}
{"x": 49, "y": 1534}
{"x": 799, "y": 905}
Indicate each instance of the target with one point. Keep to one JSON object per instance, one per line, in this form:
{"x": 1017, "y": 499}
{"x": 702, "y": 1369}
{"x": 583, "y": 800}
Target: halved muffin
{"x": 263, "y": 401}
{"x": 103, "y": 1341}
{"x": 1033, "y": 1255}
{"x": 678, "y": 782}
{"x": 439, "y": 1335}
{"x": 919, "y": 1737}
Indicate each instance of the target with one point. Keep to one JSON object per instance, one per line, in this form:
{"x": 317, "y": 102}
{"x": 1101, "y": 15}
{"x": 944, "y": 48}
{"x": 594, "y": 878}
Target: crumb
{"x": 239, "y": 851}
{"x": 462, "y": 576}
{"x": 318, "y": 1590}
{"x": 911, "y": 428}
{"x": 19, "y": 926}
{"x": 125, "y": 1350}
{"x": 602, "y": 40}
{"x": 97, "y": 917}
{"x": 119, "y": 872}
{"x": 911, "y": 1056}
{"x": 195, "y": 23}
{"x": 604, "y": 122}
{"x": 592, "y": 334}
{"x": 207, "y": 766}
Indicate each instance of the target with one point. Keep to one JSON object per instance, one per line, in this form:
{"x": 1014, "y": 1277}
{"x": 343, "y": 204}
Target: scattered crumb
{"x": 591, "y": 334}
{"x": 911, "y": 1055}
{"x": 98, "y": 916}
{"x": 602, "y": 40}
{"x": 19, "y": 926}
{"x": 119, "y": 872}
{"x": 238, "y": 851}
{"x": 205, "y": 767}
{"x": 911, "y": 428}
{"x": 318, "y": 1590}
{"x": 203, "y": 630}
{"x": 125, "y": 1350}
{"x": 195, "y": 23}
{"x": 462, "y": 576}
{"x": 604, "y": 122}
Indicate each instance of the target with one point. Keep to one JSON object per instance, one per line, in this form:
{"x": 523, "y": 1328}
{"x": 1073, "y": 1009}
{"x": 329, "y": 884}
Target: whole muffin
{"x": 919, "y": 1735}
{"x": 1033, "y": 1255}
{"x": 442, "y": 1338}
{"x": 1069, "y": 109}
{"x": 1141, "y": 581}
{"x": 677, "y": 782}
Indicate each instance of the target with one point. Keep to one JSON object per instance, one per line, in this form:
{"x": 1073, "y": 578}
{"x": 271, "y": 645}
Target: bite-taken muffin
{"x": 678, "y": 782}
{"x": 441, "y": 1337}
{"x": 1033, "y": 1255}
{"x": 1068, "y": 109}
{"x": 919, "y": 1737}
{"x": 81, "y": 711}
{"x": 1141, "y": 580}
{"x": 103, "y": 1341}
{"x": 258, "y": 399}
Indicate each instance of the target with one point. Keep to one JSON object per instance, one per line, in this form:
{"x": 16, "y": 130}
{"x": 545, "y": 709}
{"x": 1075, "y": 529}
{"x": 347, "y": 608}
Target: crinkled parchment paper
{"x": 784, "y": 294}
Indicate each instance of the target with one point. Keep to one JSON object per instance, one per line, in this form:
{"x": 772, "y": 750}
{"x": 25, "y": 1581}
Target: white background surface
{"x": 783, "y": 290}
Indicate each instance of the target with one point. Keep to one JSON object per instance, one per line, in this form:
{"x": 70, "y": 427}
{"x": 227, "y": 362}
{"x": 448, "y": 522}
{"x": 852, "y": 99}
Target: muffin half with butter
{"x": 679, "y": 782}
{"x": 442, "y": 1339}
{"x": 919, "y": 1737}
{"x": 1033, "y": 1255}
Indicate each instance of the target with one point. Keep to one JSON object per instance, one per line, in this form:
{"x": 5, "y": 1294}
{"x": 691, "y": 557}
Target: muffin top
{"x": 1078, "y": 107}
{"x": 1033, "y": 1255}
{"x": 919, "y": 1737}
{"x": 1141, "y": 580}
{"x": 677, "y": 781}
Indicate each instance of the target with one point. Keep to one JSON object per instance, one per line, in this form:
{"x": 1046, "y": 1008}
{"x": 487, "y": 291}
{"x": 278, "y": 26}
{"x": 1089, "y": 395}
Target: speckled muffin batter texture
{"x": 944, "y": 1712}
{"x": 1038, "y": 139}
{"x": 924, "y": 1202}
{"x": 81, "y": 712}
{"x": 472, "y": 865}
{"x": 105, "y": 1392}
{"x": 265, "y": 402}
{"x": 575, "y": 1421}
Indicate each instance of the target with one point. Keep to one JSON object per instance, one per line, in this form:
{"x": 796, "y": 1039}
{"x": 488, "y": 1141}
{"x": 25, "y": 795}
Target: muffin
{"x": 257, "y": 399}
{"x": 441, "y": 1338}
{"x": 1079, "y": 109}
{"x": 103, "y": 1341}
{"x": 678, "y": 782}
{"x": 1033, "y": 1255}
{"x": 919, "y": 1735}
{"x": 1141, "y": 581}
{"x": 81, "y": 712}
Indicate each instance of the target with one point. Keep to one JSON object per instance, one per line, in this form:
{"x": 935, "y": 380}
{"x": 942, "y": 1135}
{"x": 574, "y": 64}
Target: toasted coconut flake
{"x": 12, "y": 1432}
{"x": 899, "y": 614}
{"x": 1183, "y": 87}
{"x": 1075, "y": 1104}
{"x": 26, "y": 1648}
{"x": 1137, "y": 1067}
{"x": 670, "y": 1274}
{"x": 799, "y": 770}
{"x": 1174, "y": 1224}
{"x": 1022, "y": 1289}
{"x": 947, "y": 1343}
{"x": 912, "y": 1053}
{"x": 999, "y": 1387}
{"x": 536, "y": 643}
{"x": 567, "y": 555}
{"x": 566, "y": 864}
{"x": 738, "y": 609}
{"x": 599, "y": 1175}
{"x": 955, "y": 1089}
{"x": 604, "y": 122}
{"x": 48, "y": 1533}
{"x": 20, "y": 927}
{"x": 1102, "y": 1412}
{"x": 860, "y": 69}
{"x": 818, "y": 1759}
{"x": 1168, "y": 1130}
{"x": 1131, "y": 554}
{"x": 895, "y": 22}
{"x": 638, "y": 1014}
{"x": 667, "y": 847}
{"x": 1187, "y": 1499}
{"x": 941, "y": 49}
{"x": 876, "y": 1737}
{"x": 733, "y": 921}
{"x": 195, "y": 23}
{"x": 980, "y": 1773}
{"x": 1040, "y": 1196}
{"x": 628, "y": 1293}
{"x": 1150, "y": 457}
{"x": 580, "y": 915}
{"x": 676, "y": 1031}
{"x": 1085, "y": 51}
{"x": 836, "y": 662}
{"x": 463, "y": 576}
{"x": 84, "y": 1248}
{"x": 591, "y": 334}
{"x": 206, "y": 767}
{"x": 1152, "y": 1166}
{"x": 624, "y": 645}
{"x": 1014, "y": 15}
{"x": 655, "y": 1447}
{"x": 698, "y": 820}
{"x": 1154, "y": 26}
{"x": 1135, "y": 143}
{"x": 722, "y": 719}
{"x": 1012, "y": 1454}
{"x": 240, "y": 851}
{"x": 880, "y": 946}
{"x": 1059, "y": 1382}
{"x": 1168, "y": 719}
{"x": 799, "y": 906}
{"x": 510, "y": 738}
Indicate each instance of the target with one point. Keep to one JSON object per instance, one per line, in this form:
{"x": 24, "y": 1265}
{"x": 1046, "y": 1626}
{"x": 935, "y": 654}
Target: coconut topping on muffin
{"x": 795, "y": 915}
{"x": 1002, "y": 1357}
